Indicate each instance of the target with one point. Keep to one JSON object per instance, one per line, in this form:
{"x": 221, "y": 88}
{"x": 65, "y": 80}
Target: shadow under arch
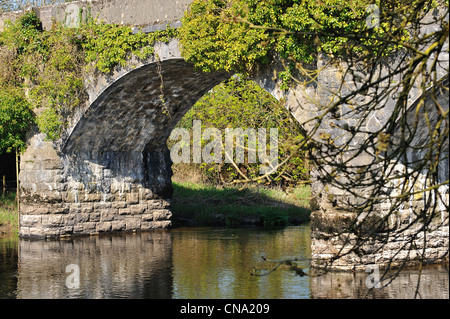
{"x": 121, "y": 138}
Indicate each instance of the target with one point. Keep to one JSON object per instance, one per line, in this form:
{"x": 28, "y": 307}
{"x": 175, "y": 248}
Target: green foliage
{"x": 109, "y": 45}
{"x": 50, "y": 65}
{"x": 240, "y": 34}
{"x": 211, "y": 42}
{"x": 8, "y": 212}
{"x": 50, "y": 122}
{"x": 16, "y": 116}
{"x": 241, "y": 103}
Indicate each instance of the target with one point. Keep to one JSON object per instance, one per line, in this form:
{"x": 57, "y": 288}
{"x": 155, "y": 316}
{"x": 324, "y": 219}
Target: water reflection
{"x": 119, "y": 266}
{"x": 217, "y": 263}
{"x": 8, "y": 267}
{"x": 434, "y": 284}
{"x": 188, "y": 263}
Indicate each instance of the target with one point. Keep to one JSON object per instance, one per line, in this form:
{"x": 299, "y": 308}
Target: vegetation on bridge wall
{"x": 46, "y": 68}
{"x": 240, "y": 34}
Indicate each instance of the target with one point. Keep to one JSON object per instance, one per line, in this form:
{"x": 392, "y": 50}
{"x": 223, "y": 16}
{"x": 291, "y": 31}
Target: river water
{"x": 188, "y": 263}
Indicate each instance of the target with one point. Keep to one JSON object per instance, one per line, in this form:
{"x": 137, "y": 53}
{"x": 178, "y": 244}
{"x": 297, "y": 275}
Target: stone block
{"x": 118, "y": 225}
{"x": 51, "y": 164}
{"x": 147, "y": 225}
{"x": 147, "y": 217}
{"x": 58, "y": 209}
{"x": 30, "y": 165}
{"x": 30, "y": 220}
{"x": 94, "y": 217}
{"x": 132, "y": 223}
{"x": 78, "y": 229}
{"x": 25, "y": 231}
{"x": 70, "y": 197}
{"x": 106, "y": 216}
{"x": 87, "y": 208}
{"x": 124, "y": 211}
{"x": 75, "y": 208}
{"x": 43, "y": 210}
{"x": 102, "y": 205}
{"x": 132, "y": 198}
{"x": 154, "y": 204}
{"x": 95, "y": 197}
{"x": 89, "y": 227}
{"x": 145, "y": 194}
{"x": 82, "y": 218}
{"x": 70, "y": 219}
{"x": 104, "y": 227}
{"x": 53, "y": 221}
{"x": 119, "y": 197}
{"x": 119, "y": 204}
{"x": 27, "y": 209}
{"x": 162, "y": 214}
{"x": 162, "y": 224}
{"x": 58, "y": 231}
{"x": 138, "y": 209}
{"x": 50, "y": 197}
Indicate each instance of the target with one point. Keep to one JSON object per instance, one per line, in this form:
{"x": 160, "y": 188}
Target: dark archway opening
{"x": 8, "y": 172}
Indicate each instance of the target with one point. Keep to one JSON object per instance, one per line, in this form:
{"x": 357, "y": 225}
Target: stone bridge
{"x": 111, "y": 170}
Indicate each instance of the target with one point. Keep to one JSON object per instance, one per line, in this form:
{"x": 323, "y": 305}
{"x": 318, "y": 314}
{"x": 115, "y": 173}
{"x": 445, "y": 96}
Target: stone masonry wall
{"x": 57, "y": 204}
{"x": 329, "y": 225}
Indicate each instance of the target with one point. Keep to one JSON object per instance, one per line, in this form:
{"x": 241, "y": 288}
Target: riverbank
{"x": 8, "y": 215}
{"x": 200, "y": 204}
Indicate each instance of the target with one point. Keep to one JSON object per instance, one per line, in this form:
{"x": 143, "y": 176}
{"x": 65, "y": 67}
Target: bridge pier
{"x": 87, "y": 194}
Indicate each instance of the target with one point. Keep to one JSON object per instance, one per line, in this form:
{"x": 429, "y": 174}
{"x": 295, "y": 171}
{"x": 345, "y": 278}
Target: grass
{"x": 8, "y": 214}
{"x": 201, "y": 204}
{"x": 206, "y": 205}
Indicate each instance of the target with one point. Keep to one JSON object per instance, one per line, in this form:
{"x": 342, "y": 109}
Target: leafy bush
{"x": 16, "y": 116}
{"x": 241, "y": 34}
{"x": 241, "y": 103}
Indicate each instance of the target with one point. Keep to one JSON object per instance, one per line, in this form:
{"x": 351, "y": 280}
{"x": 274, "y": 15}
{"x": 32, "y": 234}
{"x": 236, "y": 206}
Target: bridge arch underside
{"x": 113, "y": 173}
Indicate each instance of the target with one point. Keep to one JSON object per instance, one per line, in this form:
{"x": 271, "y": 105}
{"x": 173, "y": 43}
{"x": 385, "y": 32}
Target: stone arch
{"x": 125, "y": 128}
{"x": 111, "y": 170}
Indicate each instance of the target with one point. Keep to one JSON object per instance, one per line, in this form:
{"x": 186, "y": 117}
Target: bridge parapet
{"x": 139, "y": 13}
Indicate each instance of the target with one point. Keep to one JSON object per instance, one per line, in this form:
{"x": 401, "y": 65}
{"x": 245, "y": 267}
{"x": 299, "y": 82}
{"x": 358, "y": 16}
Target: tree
{"x": 241, "y": 104}
{"x": 379, "y": 134}
{"x": 16, "y": 116}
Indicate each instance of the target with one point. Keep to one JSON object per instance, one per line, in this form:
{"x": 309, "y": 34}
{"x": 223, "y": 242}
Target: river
{"x": 202, "y": 262}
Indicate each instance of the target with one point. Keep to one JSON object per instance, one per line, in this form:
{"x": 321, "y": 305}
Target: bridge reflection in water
{"x": 190, "y": 263}
{"x": 119, "y": 266}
